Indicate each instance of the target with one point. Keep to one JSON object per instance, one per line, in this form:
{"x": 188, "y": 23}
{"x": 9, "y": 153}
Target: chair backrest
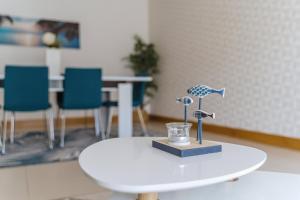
{"x": 138, "y": 93}
{"x": 82, "y": 88}
{"x": 26, "y": 88}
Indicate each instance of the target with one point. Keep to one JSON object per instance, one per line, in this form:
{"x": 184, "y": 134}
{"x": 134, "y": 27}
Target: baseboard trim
{"x": 23, "y": 125}
{"x": 261, "y": 137}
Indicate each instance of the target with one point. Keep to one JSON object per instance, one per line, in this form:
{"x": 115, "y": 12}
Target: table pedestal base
{"x": 148, "y": 196}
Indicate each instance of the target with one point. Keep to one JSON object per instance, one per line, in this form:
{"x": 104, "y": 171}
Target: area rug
{"x": 32, "y": 148}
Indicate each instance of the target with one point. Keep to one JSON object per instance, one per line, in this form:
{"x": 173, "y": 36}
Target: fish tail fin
{"x": 222, "y": 92}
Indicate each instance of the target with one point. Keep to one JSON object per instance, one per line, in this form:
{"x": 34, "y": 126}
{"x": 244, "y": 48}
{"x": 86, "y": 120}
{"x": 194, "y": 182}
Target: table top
{"x": 132, "y": 165}
{"x": 104, "y": 78}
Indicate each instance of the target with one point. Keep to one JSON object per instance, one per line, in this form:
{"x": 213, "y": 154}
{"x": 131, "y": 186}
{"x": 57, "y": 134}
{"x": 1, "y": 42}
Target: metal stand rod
{"x": 199, "y": 128}
{"x": 185, "y": 114}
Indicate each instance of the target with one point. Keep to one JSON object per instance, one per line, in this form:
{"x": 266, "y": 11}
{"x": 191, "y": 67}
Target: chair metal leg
{"x": 1, "y": 134}
{"x": 101, "y": 124}
{"x": 108, "y": 128}
{"x": 140, "y": 114}
{"x": 12, "y": 127}
{"x": 57, "y": 118}
{"x": 47, "y": 126}
{"x": 63, "y": 128}
{"x": 4, "y": 132}
{"x": 97, "y": 122}
{"x": 46, "y": 120}
{"x": 51, "y": 119}
{"x": 50, "y": 127}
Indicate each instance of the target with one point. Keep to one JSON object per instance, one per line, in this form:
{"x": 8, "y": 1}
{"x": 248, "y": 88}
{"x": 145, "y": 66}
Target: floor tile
{"x": 104, "y": 195}
{"x": 279, "y": 159}
{"x": 13, "y": 184}
{"x": 52, "y": 181}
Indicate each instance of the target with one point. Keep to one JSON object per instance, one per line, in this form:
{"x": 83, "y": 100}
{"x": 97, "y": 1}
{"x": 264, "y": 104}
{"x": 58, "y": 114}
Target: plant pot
{"x": 141, "y": 74}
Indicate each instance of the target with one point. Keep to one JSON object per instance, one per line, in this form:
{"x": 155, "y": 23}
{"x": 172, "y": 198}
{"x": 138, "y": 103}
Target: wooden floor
{"x": 59, "y": 180}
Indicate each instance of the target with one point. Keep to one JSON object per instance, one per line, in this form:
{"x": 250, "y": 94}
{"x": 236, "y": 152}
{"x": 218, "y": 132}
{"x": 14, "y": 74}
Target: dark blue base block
{"x": 190, "y": 150}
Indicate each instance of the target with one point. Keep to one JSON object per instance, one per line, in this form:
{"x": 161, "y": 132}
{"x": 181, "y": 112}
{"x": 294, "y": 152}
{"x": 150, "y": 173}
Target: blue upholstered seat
{"x": 26, "y": 88}
{"x": 82, "y": 90}
{"x": 138, "y": 94}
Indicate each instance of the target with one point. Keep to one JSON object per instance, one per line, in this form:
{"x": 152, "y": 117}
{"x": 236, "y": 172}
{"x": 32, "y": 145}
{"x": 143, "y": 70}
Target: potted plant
{"x": 144, "y": 62}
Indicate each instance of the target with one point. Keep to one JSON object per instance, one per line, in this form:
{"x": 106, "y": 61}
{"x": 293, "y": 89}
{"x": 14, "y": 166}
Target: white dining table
{"x": 123, "y": 87}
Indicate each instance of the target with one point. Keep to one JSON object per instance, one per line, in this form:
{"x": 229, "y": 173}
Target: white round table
{"x": 258, "y": 185}
{"x": 132, "y": 165}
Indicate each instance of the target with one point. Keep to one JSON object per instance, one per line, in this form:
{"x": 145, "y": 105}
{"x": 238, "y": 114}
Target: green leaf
{"x": 144, "y": 60}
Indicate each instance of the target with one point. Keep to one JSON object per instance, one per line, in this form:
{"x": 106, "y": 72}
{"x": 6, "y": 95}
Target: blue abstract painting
{"x": 38, "y": 32}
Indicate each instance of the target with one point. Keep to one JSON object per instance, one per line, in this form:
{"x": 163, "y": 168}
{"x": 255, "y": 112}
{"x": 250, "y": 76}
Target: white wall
{"x": 106, "y": 31}
{"x": 107, "y": 28}
{"x": 250, "y": 47}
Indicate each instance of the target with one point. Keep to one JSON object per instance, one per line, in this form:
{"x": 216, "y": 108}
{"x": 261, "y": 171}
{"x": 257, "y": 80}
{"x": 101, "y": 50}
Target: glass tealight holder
{"x": 179, "y": 133}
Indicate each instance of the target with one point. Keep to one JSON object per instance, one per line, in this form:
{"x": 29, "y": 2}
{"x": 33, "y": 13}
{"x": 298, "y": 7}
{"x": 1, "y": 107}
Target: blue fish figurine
{"x": 203, "y": 90}
{"x": 185, "y": 100}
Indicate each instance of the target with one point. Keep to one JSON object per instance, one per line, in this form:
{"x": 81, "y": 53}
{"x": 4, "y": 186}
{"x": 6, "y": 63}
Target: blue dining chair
{"x": 138, "y": 94}
{"x": 82, "y": 91}
{"x": 26, "y": 90}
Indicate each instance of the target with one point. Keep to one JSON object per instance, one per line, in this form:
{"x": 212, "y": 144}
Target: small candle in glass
{"x": 179, "y": 133}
